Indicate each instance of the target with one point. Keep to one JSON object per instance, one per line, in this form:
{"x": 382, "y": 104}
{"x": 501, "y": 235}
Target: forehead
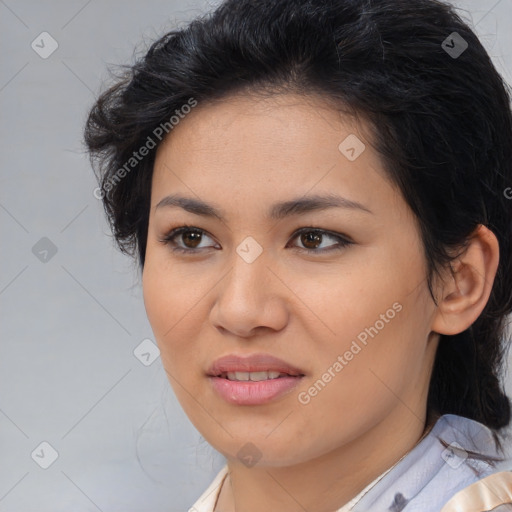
{"x": 289, "y": 122}
{"x": 251, "y": 147}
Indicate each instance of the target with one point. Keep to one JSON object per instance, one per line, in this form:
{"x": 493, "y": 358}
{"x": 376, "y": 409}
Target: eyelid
{"x": 343, "y": 240}
{"x": 168, "y": 238}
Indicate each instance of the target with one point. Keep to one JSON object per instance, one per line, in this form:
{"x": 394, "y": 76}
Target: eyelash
{"x": 343, "y": 242}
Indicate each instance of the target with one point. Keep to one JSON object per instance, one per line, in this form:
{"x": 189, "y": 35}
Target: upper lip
{"x": 251, "y": 363}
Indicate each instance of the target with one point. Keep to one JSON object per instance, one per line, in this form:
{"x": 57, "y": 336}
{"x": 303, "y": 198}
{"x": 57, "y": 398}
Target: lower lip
{"x": 253, "y": 393}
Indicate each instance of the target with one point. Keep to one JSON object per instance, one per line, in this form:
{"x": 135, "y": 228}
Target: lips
{"x": 252, "y": 363}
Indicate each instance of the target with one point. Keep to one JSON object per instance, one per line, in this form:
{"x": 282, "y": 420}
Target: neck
{"x": 328, "y": 482}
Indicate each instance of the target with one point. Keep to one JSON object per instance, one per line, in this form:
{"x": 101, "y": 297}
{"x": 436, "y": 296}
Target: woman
{"x": 318, "y": 193}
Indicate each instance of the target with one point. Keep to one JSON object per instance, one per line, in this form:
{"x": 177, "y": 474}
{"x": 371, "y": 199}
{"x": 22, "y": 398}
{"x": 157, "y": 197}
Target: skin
{"x": 245, "y": 153}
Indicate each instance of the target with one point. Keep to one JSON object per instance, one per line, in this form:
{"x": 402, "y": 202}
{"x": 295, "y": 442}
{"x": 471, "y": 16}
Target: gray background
{"x": 69, "y": 325}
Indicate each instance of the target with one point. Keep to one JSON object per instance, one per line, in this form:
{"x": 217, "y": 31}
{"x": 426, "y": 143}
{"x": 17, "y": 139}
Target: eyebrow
{"x": 277, "y": 211}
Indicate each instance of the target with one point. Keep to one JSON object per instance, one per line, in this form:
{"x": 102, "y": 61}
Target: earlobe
{"x": 466, "y": 289}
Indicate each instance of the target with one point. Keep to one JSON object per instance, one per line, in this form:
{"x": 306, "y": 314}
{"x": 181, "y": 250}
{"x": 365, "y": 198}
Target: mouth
{"x": 253, "y": 380}
{"x": 255, "y": 376}
{"x": 253, "y": 367}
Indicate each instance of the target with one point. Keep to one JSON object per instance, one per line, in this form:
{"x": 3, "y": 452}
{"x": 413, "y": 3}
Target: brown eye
{"x": 185, "y": 239}
{"x": 191, "y": 238}
{"x": 312, "y": 239}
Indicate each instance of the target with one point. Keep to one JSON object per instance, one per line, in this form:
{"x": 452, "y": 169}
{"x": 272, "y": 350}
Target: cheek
{"x": 165, "y": 300}
{"x": 175, "y": 304}
{"x": 173, "y": 318}
{"x": 344, "y": 303}
{"x": 357, "y": 383}
{"x": 168, "y": 292}
{"x": 157, "y": 301}
{"x": 370, "y": 334}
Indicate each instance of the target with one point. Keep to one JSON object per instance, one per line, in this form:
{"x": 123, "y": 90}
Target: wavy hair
{"x": 413, "y": 69}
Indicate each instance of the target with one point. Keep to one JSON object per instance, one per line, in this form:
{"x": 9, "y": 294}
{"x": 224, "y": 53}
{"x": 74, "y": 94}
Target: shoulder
{"x": 445, "y": 472}
{"x": 492, "y": 493}
{"x": 208, "y": 500}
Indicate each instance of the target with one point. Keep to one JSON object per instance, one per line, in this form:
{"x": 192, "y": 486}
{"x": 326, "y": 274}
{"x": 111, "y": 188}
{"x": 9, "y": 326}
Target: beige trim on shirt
{"x": 483, "y": 496}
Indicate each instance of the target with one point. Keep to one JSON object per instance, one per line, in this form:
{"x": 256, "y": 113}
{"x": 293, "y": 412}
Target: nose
{"x": 250, "y": 299}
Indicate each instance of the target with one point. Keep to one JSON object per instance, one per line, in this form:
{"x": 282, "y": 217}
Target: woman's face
{"x": 354, "y": 318}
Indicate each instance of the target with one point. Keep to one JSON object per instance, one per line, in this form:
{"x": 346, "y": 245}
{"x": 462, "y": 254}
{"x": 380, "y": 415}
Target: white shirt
{"x": 428, "y": 478}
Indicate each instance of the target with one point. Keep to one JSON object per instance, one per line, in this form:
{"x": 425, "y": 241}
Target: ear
{"x": 466, "y": 289}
